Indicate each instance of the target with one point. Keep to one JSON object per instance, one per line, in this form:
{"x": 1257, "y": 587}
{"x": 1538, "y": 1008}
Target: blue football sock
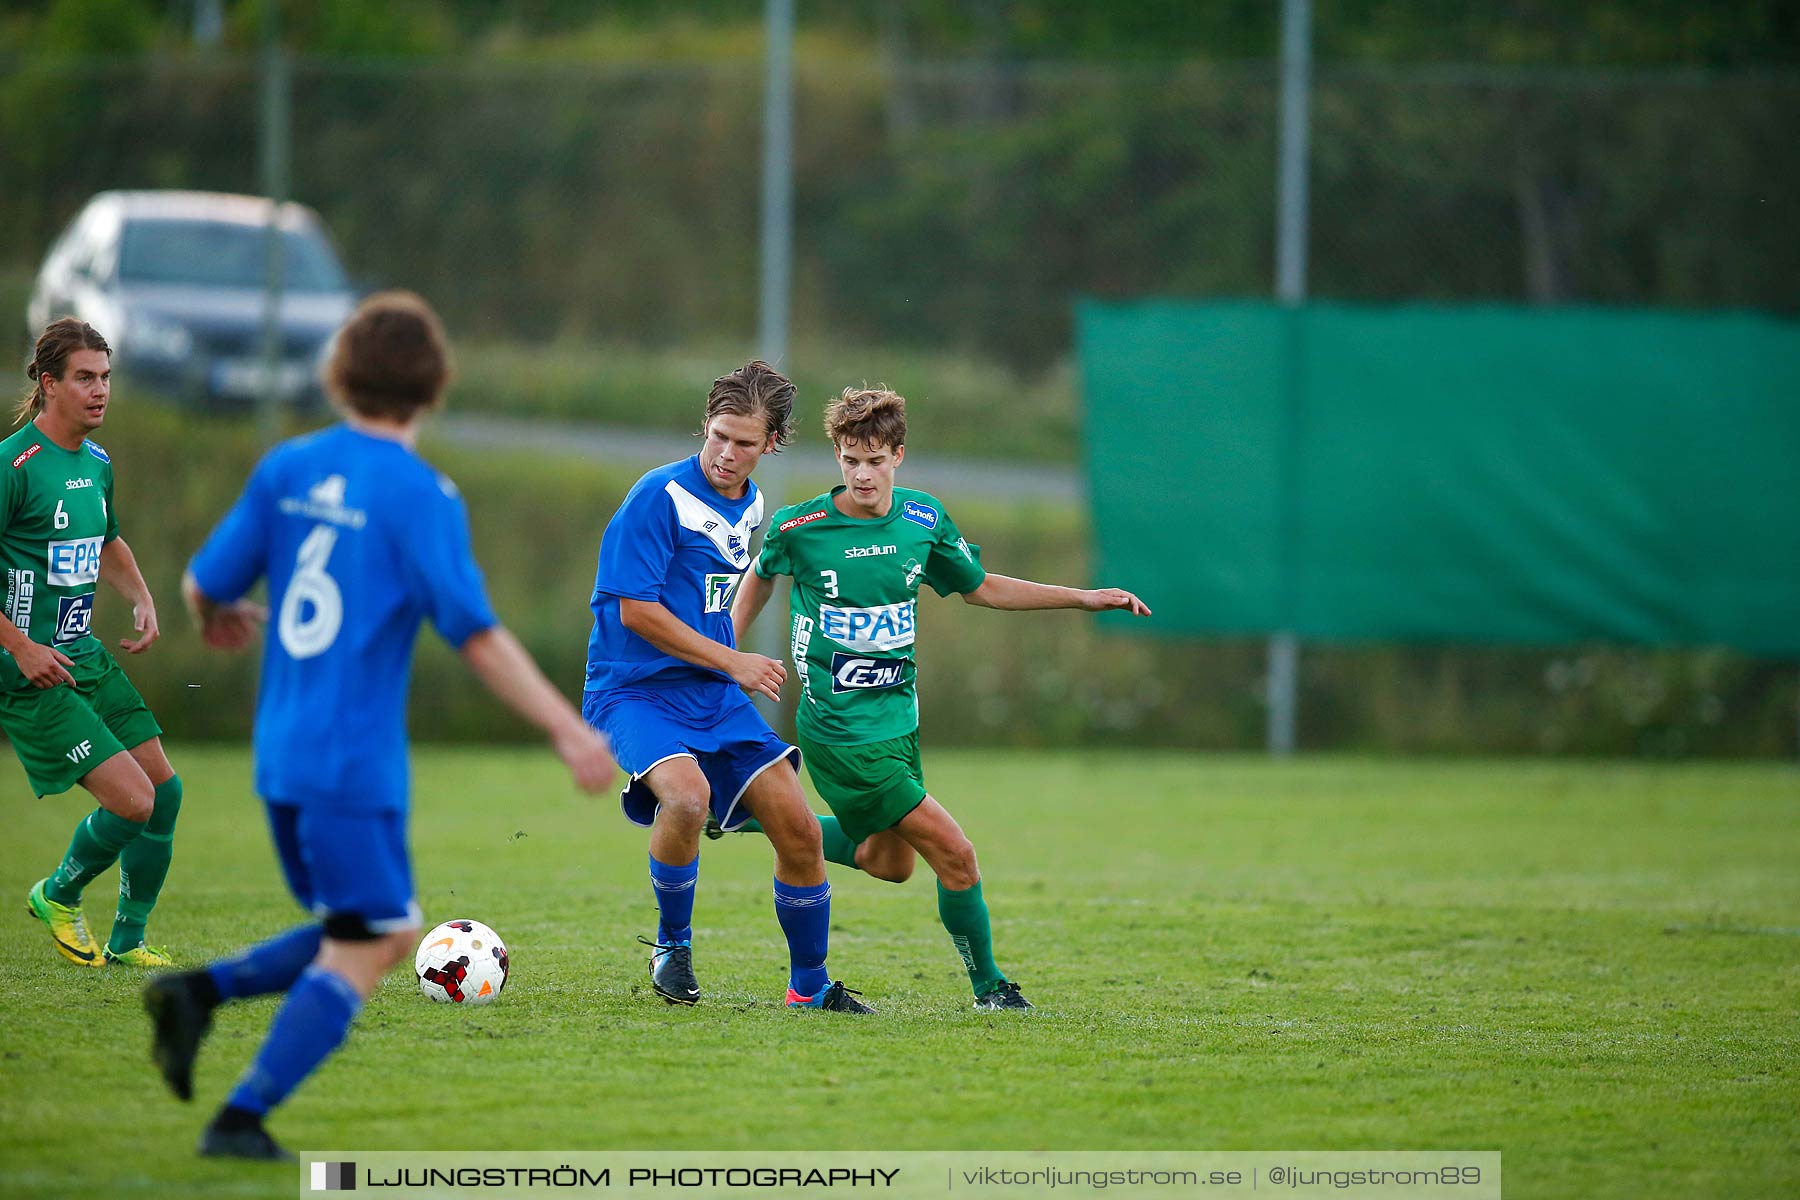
{"x": 270, "y": 966}
{"x": 311, "y": 1024}
{"x": 805, "y": 916}
{"x": 674, "y": 899}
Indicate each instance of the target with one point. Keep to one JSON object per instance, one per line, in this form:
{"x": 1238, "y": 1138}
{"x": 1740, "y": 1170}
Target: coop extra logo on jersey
{"x": 919, "y": 514}
{"x": 32, "y": 449}
{"x": 74, "y": 563}
{"x": 789, "y": 524}
{"x": 854, "y": 673}
{"x": 719, "y": 590}
{"x": 74, "y": 614}
{"x": 869, "y": 630}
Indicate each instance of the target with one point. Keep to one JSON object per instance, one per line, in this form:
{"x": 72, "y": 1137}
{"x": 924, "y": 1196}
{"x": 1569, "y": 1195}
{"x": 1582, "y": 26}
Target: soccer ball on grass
{"x": 461, "y": 962}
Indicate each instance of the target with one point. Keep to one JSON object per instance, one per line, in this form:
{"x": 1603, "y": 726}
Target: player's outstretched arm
{"x": 222, "y": 626}
{"x": 752, "y": 593}
{"x": 1017, "y": 595}
{"x": 669, "y": 633}
{"x": 118, "y": 566}
{"x": 507, "y": 670}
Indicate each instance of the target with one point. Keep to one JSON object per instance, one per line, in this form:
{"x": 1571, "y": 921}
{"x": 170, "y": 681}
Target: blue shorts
{"x": 350, "y": 869}
{"x": 715, "y": 724}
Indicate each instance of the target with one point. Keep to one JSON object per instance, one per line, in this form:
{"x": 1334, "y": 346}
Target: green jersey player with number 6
{"x": 70, "y": 713}
{"x": 858, "y": 555}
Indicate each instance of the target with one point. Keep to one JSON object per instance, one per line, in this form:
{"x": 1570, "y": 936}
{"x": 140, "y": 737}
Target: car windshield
{"x": 221, "y": 254}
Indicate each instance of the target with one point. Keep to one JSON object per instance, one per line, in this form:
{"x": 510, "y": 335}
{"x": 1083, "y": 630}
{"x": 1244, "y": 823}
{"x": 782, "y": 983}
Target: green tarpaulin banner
{"x": 1427, "y": 473}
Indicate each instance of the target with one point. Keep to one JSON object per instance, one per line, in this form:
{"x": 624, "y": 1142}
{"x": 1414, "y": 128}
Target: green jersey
{"x": 56, "y": 512}
{"x": 856, "y": 584}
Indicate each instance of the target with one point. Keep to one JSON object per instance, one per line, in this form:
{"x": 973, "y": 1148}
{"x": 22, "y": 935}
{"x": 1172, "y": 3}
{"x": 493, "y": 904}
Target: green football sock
{"x": 143, "y": 865}
{"x": 965, "y": 915}
{"x": 95, "y": 847}
{"x": 838, "y": 846}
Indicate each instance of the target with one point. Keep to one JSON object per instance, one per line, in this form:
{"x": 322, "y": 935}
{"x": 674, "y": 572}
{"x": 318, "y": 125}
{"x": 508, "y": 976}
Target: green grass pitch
{"x": 1594, "y": 968}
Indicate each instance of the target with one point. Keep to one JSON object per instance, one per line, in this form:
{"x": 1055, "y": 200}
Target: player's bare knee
{"x": 131, "y": 803}
{"x": 891, "y": 868}
{"x": 885, "y": 857}
{"x": 795, "y": 839}
{"x": 799, "y": 849}
{"x": 684, "y": 810}
{"x": 956, "y": 867}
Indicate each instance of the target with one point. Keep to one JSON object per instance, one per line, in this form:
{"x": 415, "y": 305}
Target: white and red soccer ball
{"x": 462, "y": 962}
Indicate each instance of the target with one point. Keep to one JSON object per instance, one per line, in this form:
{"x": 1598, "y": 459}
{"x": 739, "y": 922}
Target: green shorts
{"x": 62, "y": 733}
{"x": 869, "y": 787}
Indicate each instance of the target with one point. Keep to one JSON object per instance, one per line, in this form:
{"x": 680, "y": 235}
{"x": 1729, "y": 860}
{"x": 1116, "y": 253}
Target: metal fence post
{"x": 274, "y": 139}
{"x": 1283, "y": 680}
{"x": 776, "y": 269}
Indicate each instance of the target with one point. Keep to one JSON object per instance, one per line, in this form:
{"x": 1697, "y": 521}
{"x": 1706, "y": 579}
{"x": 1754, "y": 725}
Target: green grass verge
{"x": 1593, "y": 968}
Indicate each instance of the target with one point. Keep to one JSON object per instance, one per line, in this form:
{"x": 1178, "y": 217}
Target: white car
{"x": 175, "y": 283}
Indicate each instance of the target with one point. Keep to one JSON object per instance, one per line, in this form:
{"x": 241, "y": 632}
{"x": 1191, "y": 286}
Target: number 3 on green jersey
{"x": 856, "y": 585}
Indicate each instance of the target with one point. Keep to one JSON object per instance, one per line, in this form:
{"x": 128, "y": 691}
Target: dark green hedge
{"x": 1023, "y": 679}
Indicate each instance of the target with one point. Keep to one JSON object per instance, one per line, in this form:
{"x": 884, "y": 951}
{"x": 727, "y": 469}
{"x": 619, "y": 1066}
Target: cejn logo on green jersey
{"x": 870, "y": 630}
{"x": 854, "y": 673}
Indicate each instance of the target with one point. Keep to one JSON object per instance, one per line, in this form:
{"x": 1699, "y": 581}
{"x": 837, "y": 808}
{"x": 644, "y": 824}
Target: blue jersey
{"x": 360, "y": 539}
{"x": 678, "y": 542}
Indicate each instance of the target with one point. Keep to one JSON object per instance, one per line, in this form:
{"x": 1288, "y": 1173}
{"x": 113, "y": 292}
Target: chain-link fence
{"x": 572, "y": 220}
{"x": 958, "y": 206}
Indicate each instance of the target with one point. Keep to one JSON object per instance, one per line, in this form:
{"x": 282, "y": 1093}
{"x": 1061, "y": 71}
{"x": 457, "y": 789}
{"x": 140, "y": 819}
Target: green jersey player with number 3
{"x": 858, "y": 556}
{"x": 68, "y": 709}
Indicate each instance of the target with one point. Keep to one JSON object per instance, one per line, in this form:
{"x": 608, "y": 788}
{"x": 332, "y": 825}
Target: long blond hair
{"x": 51, "y": 357}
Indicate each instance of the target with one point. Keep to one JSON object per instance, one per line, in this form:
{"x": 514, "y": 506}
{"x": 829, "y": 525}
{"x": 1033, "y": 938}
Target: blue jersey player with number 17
{"x": 671, "y": 691}
{"x": 360, "y": 540}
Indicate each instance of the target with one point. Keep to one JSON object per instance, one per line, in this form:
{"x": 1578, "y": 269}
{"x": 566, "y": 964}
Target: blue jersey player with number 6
{"x": 360, "y": 540}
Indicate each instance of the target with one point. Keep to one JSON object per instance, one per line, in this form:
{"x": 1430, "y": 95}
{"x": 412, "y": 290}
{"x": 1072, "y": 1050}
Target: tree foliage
{"x": 1595, "y": 33}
